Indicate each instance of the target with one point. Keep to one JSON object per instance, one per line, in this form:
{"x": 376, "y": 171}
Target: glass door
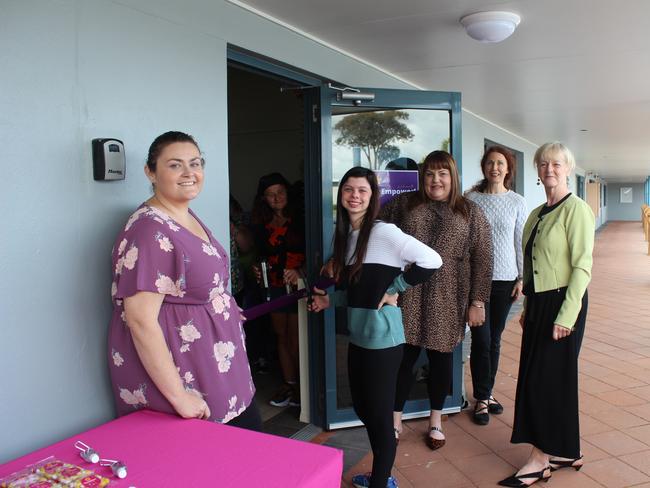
{"x": 392, "y": 134}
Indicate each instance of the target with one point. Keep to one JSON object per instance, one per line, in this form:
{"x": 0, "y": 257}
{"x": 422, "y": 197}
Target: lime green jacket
{"x": 562, "y": 254}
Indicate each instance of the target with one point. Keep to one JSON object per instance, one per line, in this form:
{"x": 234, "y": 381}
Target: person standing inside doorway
{"x": 280, "y": 240}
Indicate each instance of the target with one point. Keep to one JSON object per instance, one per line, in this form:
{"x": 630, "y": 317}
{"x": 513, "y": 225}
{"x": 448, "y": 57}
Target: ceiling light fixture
{"x": 490, "y": 26}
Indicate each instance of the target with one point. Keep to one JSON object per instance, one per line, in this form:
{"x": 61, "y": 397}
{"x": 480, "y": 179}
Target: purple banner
{"x": 394, "y": 182}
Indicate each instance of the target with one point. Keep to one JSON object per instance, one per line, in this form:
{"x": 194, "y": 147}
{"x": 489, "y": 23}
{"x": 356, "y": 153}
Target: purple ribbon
{"x": 289, "y": 299}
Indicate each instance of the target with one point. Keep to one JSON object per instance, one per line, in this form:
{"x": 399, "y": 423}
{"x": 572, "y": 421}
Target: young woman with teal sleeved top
{"x": 368, "y": 262}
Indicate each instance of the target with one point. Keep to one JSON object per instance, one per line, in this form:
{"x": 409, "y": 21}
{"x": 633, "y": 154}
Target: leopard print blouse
{"x": 435, "y": 312}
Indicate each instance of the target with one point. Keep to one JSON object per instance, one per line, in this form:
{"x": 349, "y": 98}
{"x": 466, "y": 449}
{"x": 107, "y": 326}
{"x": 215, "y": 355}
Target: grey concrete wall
{"x": 624, "y": 211}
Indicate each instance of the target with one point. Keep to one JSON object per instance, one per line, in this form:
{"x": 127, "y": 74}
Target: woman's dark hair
{"x": 441, "y": 160}
{"x": 262, "y": 213}
{"x": 342, "y": 228}
{"x": 481, "y": 186}
{"x": 164, "y": 140}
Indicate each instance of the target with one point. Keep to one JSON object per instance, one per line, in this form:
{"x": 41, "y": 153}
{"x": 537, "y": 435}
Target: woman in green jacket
{"x": 558, "y": 242}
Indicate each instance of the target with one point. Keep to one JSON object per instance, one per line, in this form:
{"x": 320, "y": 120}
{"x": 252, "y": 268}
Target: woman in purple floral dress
{"x": 176, "y": 342}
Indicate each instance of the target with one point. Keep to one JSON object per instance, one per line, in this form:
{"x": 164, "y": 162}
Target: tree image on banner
{"x": 374, "y": 133}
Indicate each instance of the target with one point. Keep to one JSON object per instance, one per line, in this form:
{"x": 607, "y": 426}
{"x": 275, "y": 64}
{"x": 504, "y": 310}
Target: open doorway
{"x": 266, "y": 152}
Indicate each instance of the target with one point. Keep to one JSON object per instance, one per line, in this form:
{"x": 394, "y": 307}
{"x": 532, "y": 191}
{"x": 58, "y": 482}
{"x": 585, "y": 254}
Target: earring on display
{"x": 117, "y": 467}
{"x": 539, "y": 182}
{"x": 86, "y": 452}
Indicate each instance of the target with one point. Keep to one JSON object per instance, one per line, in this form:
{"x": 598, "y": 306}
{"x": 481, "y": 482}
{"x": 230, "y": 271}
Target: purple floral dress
{"x": 199, "y": 318}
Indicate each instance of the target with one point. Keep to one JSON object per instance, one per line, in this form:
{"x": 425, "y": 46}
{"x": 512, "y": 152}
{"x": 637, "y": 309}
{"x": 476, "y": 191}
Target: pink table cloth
{"x": 162, "y": 451}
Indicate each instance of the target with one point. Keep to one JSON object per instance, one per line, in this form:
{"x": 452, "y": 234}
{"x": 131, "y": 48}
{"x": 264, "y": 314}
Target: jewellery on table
{"x": 118, "y": 467}
{"x": 86, "y": 452}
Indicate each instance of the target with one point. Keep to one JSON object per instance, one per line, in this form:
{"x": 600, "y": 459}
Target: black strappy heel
{"x": 481, "y": 410}
{"x": 515, "y": 481}
{"x": 568, "y": 463}
{"x": 495, "y": 407}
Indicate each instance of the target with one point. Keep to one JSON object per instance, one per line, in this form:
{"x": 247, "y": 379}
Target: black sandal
{"x": 568, "y": 463}
{"x": 495, "y": 407}
{"x": 481, "y": 409}
{"x": 515, "y": 481}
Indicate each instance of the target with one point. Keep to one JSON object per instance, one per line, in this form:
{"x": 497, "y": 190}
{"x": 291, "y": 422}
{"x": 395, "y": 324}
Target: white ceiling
{"x": 571, "y": 65}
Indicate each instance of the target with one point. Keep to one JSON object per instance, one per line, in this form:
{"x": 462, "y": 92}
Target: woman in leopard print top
{"x": 435, "y": 313}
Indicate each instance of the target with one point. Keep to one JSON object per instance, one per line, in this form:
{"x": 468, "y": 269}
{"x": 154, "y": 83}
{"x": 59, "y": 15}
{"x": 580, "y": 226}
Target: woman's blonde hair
{"x": 554, "y": 148}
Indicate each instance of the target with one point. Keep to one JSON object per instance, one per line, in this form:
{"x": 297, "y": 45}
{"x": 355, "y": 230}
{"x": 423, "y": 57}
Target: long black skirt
{"x": 546, "y": 405}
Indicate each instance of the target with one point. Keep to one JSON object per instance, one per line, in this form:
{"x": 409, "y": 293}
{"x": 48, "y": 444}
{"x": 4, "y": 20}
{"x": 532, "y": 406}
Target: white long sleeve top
{"x": 507, "y": 215}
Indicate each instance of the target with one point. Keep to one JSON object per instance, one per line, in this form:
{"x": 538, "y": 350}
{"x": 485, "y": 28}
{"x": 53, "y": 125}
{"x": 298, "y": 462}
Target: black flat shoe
{"x": 480, "y": 415}
{"x": 516, "y": 481}
{"x": 495, "y": 407}
{"x": 568, "y": 463}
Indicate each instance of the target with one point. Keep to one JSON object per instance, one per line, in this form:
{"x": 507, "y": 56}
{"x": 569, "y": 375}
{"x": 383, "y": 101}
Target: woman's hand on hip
{"x": 517, "y": 290}
{"x": 191, "y": 405}
{"x": 560, "y": 332}
{"x": 476, "y": 314}
{"x": 388, "y": 300}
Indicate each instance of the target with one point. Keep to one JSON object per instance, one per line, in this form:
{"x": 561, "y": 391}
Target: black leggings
{"x": 486, "y": 339}
{"x": 438, "y": 383}
{"x": 249, "y": 419}
{"x": 373, "y": 375}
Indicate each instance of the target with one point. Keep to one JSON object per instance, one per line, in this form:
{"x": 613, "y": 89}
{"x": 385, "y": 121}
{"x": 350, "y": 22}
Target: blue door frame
{"x": 384, "y": 99}
{"x": 318, "y": 188}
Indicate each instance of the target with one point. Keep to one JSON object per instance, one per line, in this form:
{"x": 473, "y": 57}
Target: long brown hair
{"x": 441, "y": 160}
{"x": 481, "y": 186}
{"x": 342, "y": 227}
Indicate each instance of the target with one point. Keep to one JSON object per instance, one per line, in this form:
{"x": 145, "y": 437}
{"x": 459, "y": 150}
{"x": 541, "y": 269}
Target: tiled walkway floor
{"x": 614, "y": 391}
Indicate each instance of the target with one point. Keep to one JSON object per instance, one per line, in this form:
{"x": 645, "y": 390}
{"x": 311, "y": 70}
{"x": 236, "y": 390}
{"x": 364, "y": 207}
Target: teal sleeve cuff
{"x": 398, "y": 285}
